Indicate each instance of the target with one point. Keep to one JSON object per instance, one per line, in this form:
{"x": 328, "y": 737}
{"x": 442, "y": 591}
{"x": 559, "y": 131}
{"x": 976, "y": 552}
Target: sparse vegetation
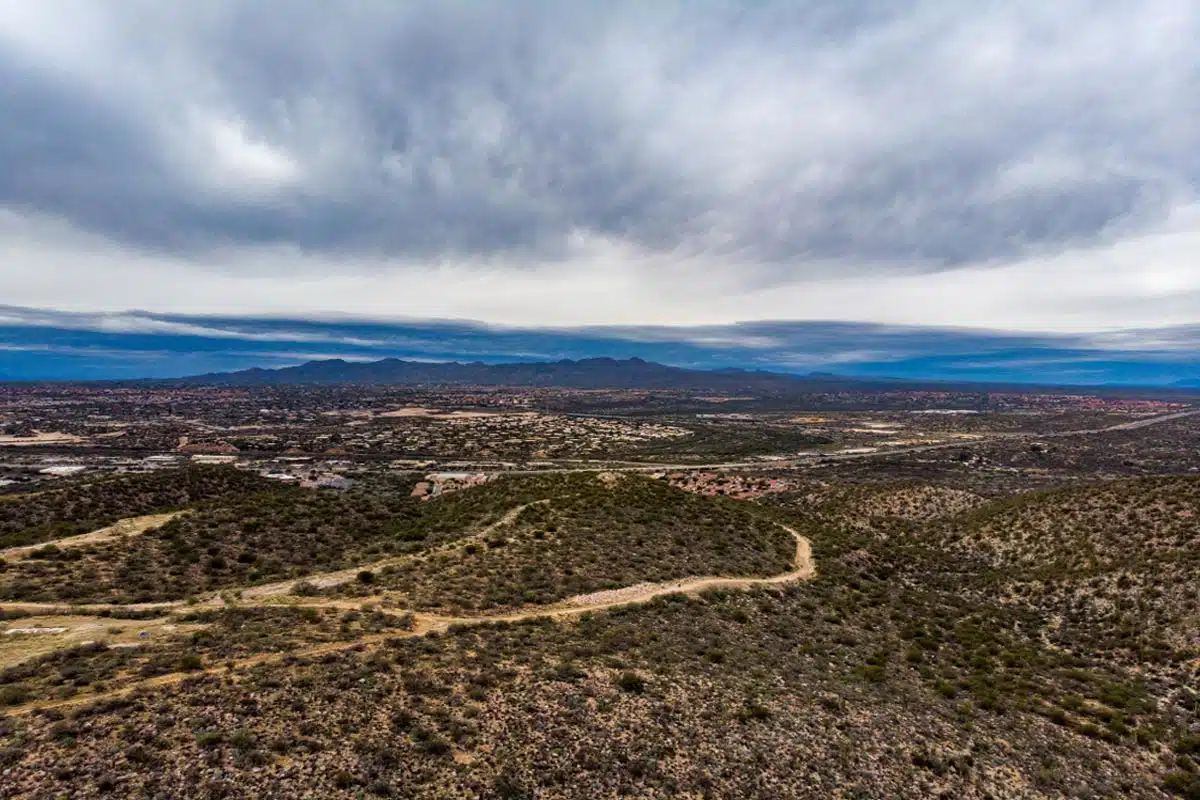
{"x": 597, "y": 533}
{"x": 54, "y": 514}
{"x": 286, "y": 532}
{"x": 975, "y": 629}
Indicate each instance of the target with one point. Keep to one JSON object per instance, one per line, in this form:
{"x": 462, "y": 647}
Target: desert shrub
{"x": 80, "y": 508}
{"x": 631, "y": 682}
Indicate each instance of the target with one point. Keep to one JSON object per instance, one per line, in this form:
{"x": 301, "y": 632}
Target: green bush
{"x": 1184, "y": 784}
{"x": 209, "y": 739}
{"x": 631, "y": 682}
{"x": 13, "y": 695}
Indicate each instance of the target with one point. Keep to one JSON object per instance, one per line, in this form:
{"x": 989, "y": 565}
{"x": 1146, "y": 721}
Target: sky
{"x": 931, "y": 188}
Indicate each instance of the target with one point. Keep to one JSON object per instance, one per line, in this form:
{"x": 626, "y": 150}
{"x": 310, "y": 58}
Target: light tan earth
{"x": 328, "y": 579}
{"x": 29, "y": 637}
{"x": 421, "y": 411}
{"x": 125, "y": 527}
{"x": 79, "y": 628}
{"x": 50, "y": 437}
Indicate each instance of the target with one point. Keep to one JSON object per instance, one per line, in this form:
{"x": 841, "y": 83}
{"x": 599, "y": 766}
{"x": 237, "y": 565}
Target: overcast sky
{"x": 1019, "y": 166}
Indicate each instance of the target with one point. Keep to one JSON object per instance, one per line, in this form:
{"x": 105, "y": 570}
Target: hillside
{"x": 68, "y": 511}
{"x": 270, "y": 533}
{"x": 590, "y": 533}
{"x": 1114, "y": 566}
{"x": 531, "y": 540}
{"x": 945, "y": 645}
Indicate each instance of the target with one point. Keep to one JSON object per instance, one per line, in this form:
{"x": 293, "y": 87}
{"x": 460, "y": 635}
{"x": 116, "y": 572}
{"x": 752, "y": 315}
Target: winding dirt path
{"x": 132, "y": 526}
{"x": 325, "y": 580}
{"x": 249, "y": 594}
{"x": 804, "y": 568}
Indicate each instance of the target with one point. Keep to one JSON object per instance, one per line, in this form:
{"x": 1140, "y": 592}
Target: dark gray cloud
{"x": 776, "y": 133}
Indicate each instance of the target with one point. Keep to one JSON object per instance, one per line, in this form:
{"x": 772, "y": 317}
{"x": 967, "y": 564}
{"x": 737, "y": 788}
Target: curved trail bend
{"x": 325, "y": 580}
{"x": 804, "y": 568}
{"x": 130, "y": 526}
{"x": 321, "y": 580}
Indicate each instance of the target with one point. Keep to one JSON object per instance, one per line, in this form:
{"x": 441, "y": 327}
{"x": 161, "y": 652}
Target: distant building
{"x": 63, "y": 469}
{"x": 210, "y": 448}
{"x": 328, "y": 482}
{"x": 212, "y": 459}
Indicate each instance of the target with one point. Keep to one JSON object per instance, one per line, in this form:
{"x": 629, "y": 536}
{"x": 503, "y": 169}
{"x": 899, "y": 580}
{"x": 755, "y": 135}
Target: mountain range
{"x": 587, "y": 373}
{"x": 604, "y": 373}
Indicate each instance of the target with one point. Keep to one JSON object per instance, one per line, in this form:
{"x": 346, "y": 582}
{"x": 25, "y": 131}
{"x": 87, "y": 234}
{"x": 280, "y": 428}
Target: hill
{"x": 589, "y": 533}
{"x": 946, "y": 645}
{"x": 72, "y": 510}
{"x": 1115, "y": 565}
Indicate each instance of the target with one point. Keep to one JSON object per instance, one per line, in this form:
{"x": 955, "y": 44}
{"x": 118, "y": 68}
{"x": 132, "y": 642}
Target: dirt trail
{"x": 131, "y": 526}
{"x": 325, "y": 580}
{"x": 804, "y": 569}
{"x": 30, "y": 637}
{"x": 263, "y": 592}
{"x": 94, "y": 608}
{"x": 424, "y": 624}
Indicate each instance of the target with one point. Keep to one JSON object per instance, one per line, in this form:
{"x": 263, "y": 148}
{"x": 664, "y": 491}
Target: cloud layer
{"x": 1017, "y": 165}
{"x": 38, "y": 344}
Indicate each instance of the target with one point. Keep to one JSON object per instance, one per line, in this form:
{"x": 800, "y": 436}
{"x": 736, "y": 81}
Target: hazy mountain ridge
{"x": 611, "y": 373}
{"x": 588, "y": 373}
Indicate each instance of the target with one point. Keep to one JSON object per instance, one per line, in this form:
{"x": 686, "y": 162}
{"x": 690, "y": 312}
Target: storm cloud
{"x": 1012, "y": 164}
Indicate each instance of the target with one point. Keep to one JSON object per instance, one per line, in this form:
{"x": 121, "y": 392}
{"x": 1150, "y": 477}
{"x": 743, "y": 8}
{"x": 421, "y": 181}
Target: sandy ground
{"x": 326, "y": 579}
{"x": 40, "y": 438}
{"x": 125, "y": 527}
{"x": 428, "y": 623}
{"x": 29, "y": 637}
{"x": 76, "y": 630}
{"x": 421, "y": 411}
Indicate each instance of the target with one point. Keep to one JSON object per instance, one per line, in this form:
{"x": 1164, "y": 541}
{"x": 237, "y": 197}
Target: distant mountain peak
{"x": 600, "y": 372}
{"x": 594, "y": 372}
